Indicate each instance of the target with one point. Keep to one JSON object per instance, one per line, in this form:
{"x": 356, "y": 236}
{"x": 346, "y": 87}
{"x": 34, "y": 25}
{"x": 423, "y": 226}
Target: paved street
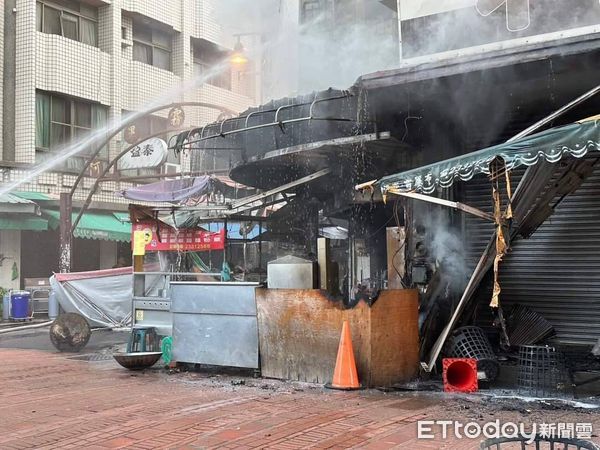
{"x": 50, "y": 400}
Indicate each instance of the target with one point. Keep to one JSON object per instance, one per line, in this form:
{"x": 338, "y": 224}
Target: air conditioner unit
{"x": 171, "y": 169}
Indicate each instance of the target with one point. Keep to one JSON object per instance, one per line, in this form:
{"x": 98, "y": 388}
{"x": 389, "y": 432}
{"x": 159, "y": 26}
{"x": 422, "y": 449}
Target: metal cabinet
{"x": 215, "y": 323}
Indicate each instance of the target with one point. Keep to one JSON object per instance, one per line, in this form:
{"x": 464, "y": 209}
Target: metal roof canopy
{"x": 23, "y": 222}
{"x": 279, "y": 166}
{"x": 14, "y": 204}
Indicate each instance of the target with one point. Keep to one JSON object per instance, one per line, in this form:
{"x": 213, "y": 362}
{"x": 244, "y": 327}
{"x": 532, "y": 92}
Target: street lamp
{"x": 238, "y": 57}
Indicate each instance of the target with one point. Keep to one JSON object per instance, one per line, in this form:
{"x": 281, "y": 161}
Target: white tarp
{"x": 103, "y": 297}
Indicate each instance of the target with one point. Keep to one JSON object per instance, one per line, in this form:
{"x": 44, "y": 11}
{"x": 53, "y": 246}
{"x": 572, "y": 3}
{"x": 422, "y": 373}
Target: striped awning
{"x": 94, "y": 225}
{"x": 576, "y": 140}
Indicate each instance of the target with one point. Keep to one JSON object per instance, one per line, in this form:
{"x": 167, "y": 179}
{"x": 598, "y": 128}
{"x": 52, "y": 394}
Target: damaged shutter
{"x": 555, "y": 272}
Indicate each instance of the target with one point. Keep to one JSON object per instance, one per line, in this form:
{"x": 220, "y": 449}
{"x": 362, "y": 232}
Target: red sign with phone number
{"x": 170, "y": 239}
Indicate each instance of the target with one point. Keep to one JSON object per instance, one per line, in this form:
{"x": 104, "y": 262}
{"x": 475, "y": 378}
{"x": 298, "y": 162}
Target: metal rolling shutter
{"x": 555, "y": 272}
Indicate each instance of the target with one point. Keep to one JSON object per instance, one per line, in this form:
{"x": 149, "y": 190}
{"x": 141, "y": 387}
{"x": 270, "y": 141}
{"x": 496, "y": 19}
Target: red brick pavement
{"x": 48, "y": 401}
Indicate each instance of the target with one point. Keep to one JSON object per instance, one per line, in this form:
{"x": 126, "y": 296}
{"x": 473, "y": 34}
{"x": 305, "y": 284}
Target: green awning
{"x": 551, "y": 145}
{"x": 12, "y": 204}
{"x": 94, "y": 225}
{"x": 34, "y": 195}
{"x": 122, "y": 217}
{"x": 23, "y": 222}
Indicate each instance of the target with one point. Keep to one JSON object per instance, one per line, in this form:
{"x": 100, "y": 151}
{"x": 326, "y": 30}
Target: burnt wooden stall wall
{"x": 299, "y": 334}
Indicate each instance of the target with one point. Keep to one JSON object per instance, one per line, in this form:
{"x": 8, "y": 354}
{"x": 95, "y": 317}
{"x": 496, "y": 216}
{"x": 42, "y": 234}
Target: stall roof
{"x": 235, "y": 230}
{"x": 182, "y": 189}
{"x": 13, "y": 204}
{"x": 18, "y": 213}
{"x": 94, "y": 225}
{"x": 576, "y": 140}
{"x": 169, "y": 190}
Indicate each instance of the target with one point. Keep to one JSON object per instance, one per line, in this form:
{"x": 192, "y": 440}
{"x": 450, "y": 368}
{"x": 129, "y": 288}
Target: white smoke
{"x": 332, "y": 49}
{"x": 444, "y": 244}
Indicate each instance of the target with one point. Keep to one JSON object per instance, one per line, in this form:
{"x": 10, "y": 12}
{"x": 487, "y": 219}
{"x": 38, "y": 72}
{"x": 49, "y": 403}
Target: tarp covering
{"x": 94, "y": 225}
{"x": 235, "y": 230}
{"x": 104, "y": 300}
{"x": 103, "y": 297}
{"x": 551, "y": 145}
{"x": 169, "y": 190}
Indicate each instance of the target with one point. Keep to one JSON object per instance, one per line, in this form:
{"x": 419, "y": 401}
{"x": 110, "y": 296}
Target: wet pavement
{"x": 53, "y": 400}
{"x": 38, "y": 339}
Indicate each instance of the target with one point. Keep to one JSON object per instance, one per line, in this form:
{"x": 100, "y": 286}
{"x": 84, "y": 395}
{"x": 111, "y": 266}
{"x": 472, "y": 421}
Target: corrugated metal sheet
{"x": 14, "y": 200}
{"x": 555, "y": 272}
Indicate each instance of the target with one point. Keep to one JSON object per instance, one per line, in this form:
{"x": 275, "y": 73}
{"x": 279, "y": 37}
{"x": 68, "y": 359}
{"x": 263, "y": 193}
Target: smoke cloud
{"x": 306, "y": 51}
{"x": 445, "y": 246}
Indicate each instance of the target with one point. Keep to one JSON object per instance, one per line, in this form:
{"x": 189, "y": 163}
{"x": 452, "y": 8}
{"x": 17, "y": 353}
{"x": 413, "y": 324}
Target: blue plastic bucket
{"x": 19, "y": 305}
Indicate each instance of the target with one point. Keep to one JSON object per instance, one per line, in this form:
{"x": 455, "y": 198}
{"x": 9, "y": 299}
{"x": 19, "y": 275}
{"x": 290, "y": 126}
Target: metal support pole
{"x": 226, "y": 242}
{"x": 259, "y": 249}
{"x": 66, "y": 237}
{"x": 139, "y": 280}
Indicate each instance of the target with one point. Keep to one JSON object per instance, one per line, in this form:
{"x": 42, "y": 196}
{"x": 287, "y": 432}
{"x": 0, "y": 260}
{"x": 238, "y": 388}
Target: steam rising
{"x": 313, "y": 50}
{"x": 445, "y": 247}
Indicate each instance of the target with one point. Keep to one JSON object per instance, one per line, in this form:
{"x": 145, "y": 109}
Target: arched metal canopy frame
{"x": 132, "y": 120}
{"x": 276, "y": 121}
{"x": 125, "y": 124}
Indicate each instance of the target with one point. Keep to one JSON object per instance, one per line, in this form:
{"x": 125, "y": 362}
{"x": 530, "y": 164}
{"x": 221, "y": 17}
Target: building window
{"x": 206, "y": 57}
{"x": 61, "y": 121}
{"x": 71, "y": 19}
{"x": 311, "y": 9}
{"x": 152, "y": 46}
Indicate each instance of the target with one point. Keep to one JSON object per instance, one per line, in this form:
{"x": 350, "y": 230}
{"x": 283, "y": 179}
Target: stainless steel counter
{"x": 215, "y": 323}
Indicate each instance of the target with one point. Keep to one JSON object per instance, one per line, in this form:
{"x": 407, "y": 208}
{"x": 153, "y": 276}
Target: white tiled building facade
{"x": 106, "y": 74}
{"x": 112, "y": 56}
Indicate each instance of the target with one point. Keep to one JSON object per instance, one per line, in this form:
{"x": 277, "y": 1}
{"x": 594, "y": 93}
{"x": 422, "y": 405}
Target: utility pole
{"x": 66, "y": 237}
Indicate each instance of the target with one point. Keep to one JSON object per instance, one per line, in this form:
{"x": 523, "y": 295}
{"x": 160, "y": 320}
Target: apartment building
{"x": 69, "y": 68}
{"x": 345, "y": 38}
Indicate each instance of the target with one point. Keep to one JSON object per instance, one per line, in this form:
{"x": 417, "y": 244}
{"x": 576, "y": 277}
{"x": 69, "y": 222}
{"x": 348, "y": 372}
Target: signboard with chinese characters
{"x": 170, "y": 239}
{"x": 176, "y": 117}
{"x": 148, "y": 154}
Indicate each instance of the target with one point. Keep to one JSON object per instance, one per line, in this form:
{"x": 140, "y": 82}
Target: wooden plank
{"x": 396, "y": 262}
{"x": 450, "y": 204}
{"x": 394, "y": 338}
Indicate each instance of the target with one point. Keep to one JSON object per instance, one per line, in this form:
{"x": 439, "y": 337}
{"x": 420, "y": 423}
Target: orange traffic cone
{"x": 345, "y": 376}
